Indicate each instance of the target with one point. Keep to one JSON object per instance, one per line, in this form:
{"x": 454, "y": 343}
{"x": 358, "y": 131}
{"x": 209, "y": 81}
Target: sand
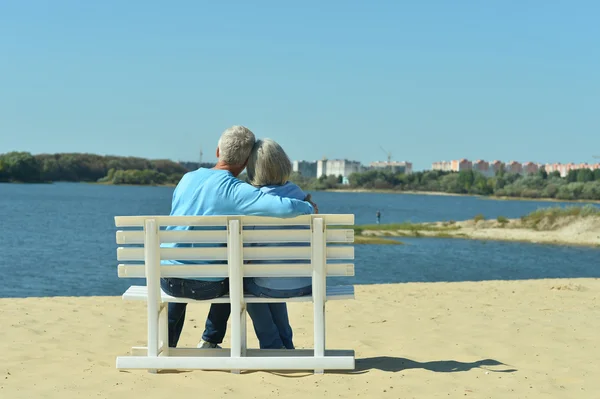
{"x": 574, "y": 231}
{"x": 584, "y": 232}
{"x": 520, "y": 339}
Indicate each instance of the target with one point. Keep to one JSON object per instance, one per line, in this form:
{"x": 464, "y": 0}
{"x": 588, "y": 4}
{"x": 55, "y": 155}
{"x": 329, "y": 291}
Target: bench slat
{"x": 272, "y": 270}
{"x": 336, "y": 292}
{"x": 187, "y": 237}
{"x": 250, "y": 236}
{"x": 250, "y": 253}
{"x": 305, "y": 220}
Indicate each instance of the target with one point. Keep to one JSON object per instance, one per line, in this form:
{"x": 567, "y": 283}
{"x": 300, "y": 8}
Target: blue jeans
{"x": 216, "y": 322}
{"x": 268, "y": 321}
{"x": 271, "y": 322}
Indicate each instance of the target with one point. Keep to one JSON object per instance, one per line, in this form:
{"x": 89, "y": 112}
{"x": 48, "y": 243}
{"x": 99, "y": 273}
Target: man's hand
{"x": 309, "y": 200}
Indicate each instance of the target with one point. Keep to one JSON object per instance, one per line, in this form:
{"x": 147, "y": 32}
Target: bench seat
{"x": 336, "y": 292}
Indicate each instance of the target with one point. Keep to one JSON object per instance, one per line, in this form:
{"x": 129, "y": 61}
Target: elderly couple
{"x": 217, "y": 191}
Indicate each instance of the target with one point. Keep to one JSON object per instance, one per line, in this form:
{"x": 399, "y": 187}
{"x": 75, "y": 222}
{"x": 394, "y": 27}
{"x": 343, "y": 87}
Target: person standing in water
{"x": 378, "y": 216}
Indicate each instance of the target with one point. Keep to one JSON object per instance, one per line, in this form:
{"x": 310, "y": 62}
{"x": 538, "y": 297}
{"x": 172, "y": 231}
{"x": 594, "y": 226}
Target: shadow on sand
{"x": 396, "y": 364}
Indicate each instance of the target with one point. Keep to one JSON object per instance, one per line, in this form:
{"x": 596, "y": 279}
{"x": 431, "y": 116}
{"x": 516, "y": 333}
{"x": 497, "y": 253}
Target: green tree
{"x": 500, "y": 183}
{"x": 466, "y": 178}
{"x": 501, "y": 171}
{"x": 556, "y": 173}
{"x": 591, "y": 191}
{"x": 572, "y": 176}
{"x": 22, "y": 166}
{"x": 550, "y": 191}
{"x": 585, "y": 175}
{"x": 3, "y": 171}
{"x": 451, "y": 184}
{"x": 481, "y": 185}
{"x": 50, "y": 168}
{"x": 542, "y": 173}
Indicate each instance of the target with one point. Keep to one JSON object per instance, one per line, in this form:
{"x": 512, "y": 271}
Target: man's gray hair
{"x": 268, "y": 164}
{"x": 235, "y": 145}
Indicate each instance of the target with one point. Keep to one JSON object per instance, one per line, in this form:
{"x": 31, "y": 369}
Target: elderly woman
{"x": 269, "y": 169}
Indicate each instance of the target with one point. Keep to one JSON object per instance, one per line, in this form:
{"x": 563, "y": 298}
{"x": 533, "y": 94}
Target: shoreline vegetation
{"x": 578, "y": 185}
{"x": 574, "y": 226}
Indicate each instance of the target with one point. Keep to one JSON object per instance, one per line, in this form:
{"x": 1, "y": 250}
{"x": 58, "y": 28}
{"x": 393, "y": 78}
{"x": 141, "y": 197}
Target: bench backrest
{"x": 229, "y": 242}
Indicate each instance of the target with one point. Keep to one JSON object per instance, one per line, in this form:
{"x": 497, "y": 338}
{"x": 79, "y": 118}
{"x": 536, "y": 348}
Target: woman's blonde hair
{"x": 268, "y": 164}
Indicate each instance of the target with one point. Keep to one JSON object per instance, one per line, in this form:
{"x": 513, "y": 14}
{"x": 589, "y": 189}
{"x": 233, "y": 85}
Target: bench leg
{"x": 319, "y": 331}
{"x": 238, "y": 333}
{"x": 319, "y": 277}
{"x": 163, "y": 330}
{"x": 244, "y": 332}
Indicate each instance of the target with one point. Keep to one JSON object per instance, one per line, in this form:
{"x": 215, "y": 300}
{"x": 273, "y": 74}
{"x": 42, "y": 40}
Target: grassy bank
{"x": 360, "y": 239}
{"x": 398, "y": 229}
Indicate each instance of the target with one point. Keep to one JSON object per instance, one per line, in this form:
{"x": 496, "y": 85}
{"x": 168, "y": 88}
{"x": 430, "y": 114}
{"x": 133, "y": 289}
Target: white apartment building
{"x": 305, "y": 168}
{"x": 337, "y": 167}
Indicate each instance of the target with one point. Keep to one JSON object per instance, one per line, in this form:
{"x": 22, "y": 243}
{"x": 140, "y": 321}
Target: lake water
{"x": 59, "y": 239}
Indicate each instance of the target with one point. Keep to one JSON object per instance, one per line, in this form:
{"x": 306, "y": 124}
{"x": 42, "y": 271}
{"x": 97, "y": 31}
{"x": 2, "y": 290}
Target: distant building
{"x": 305, "y": 168}
{"x": 514, "y": 167}
{"x": 395, "y": 167}
{"x": 482, "y": 167}
{"x": 527, "y": 168}
{"x": 530, "y": 168}
{"x": 551, "y": 167}
{"x": 496, "y": 166}
{"x": 444, "y": 166}
{"x": 338, "y": 167}
{"x": 462, "y": 164}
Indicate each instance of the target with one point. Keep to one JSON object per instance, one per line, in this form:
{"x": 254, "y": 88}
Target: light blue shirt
{"x": 217, "y": 192}
{"x": 288, "y": 190}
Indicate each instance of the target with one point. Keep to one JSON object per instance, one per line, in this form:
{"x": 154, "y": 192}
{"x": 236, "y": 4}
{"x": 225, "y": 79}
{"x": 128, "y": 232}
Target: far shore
{"x": 385, "y": 191}
{"x": 569, "y": 230}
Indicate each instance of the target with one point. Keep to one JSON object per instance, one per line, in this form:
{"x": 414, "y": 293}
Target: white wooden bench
{"x": 235, "y": 232}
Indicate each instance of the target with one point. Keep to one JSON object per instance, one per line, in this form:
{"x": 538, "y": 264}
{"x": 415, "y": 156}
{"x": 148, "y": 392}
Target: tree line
{"x": 76, "y": 167}
{"x": 582, "y": 184}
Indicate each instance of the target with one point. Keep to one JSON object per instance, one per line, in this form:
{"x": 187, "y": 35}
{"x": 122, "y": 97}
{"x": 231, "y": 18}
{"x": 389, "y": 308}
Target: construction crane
{"x": 388, "y": 154}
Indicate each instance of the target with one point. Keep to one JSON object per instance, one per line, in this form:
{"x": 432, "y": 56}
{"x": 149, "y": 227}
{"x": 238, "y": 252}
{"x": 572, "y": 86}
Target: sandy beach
{"x": 391, "y": 191}
{"x": 517, "y": 339}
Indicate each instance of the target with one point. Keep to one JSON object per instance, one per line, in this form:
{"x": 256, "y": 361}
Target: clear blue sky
{"x": 428, "y": 80}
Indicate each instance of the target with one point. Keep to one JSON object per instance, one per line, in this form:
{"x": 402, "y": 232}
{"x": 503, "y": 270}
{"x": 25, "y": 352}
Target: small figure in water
{"x": 378, "y": 216}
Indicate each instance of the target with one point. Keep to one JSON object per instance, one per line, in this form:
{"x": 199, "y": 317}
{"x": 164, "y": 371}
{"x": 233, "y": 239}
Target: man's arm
{"x": 251, "y": 201}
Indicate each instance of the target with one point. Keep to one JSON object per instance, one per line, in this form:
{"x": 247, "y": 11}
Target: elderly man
{"x": 217, "y": 191}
